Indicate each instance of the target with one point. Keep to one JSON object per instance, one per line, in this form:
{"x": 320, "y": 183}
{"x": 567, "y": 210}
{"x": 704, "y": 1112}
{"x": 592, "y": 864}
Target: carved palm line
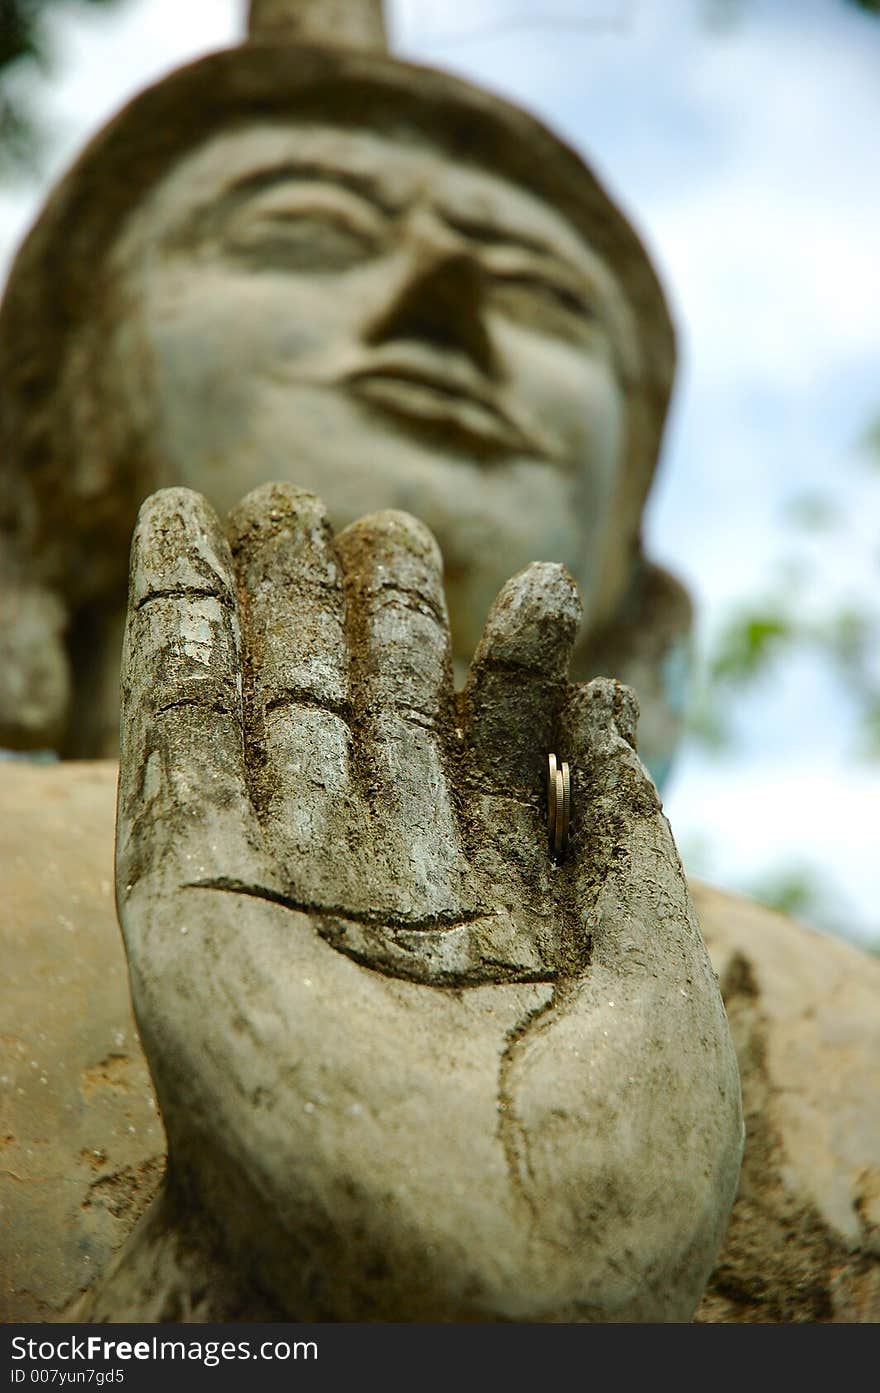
{"x": 395, "y": 943}
{"x": 443, "y": 944}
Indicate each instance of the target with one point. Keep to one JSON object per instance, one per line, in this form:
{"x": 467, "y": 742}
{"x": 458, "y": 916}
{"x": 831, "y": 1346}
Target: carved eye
{"x": 303, "y": 242}
{"x": 309, "y": 229}
{"x": 544, "y": 301}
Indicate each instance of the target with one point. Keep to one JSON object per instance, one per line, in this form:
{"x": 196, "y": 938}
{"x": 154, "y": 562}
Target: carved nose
{"x": 440, "y": 303}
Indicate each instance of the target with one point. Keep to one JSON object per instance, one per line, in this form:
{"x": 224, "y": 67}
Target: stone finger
{"x": 181, "y": 749}
{"x": 296, "y": 658}
{"x": 620, "y": 848}
{"x": 637, "y": 1020}
{"x": 597, "y": 737}
{"x": 519, "y": 677}
{"x": 402, "y": 692}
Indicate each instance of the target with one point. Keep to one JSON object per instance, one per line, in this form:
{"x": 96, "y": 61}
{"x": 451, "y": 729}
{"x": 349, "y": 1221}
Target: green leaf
{"x": 747, "y": 645}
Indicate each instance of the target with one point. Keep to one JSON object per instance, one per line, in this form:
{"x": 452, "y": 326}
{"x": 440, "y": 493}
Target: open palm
{"x": 410, "y": 1067}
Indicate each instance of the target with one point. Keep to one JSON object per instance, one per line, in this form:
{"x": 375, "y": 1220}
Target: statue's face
{"x": 371, "y": 319}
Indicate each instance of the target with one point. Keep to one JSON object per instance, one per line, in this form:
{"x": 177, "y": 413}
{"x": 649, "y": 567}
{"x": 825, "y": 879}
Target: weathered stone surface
{"x": 409, "y": 1066}
{"x": 804, "y": 1010}
{"x": 82, "y": 1145}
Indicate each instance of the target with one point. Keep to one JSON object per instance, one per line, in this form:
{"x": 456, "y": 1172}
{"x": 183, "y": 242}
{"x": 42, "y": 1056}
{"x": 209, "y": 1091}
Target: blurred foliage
{"x": 25, "y": 59}
{"x": 870, "y": 443}
{"x": 764, "y": 631}
{"x": 781, "y": 621}
{"x": 800, "y": 890}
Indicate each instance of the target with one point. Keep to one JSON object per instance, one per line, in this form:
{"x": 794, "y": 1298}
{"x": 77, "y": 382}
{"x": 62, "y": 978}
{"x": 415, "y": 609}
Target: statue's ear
{"x": 35, "y": 682}
{"x": 648, "y": 644}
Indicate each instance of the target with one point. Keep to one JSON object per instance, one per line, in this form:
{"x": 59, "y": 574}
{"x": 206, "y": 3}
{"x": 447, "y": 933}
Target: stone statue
{"x": 414, "y": 1060}
{"x": 334, "y": 249}
{"x": 409, "y": 1067}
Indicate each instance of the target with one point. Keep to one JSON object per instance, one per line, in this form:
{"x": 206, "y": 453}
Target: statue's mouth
{"x": 444, "y": 402}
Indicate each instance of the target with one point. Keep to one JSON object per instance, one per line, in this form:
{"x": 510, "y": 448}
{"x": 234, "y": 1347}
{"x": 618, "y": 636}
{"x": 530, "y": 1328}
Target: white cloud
{"x": 757, "y": 818}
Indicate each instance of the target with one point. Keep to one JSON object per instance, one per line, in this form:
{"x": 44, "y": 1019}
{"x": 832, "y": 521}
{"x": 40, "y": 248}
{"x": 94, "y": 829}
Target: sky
{"x": 741, "y": 137}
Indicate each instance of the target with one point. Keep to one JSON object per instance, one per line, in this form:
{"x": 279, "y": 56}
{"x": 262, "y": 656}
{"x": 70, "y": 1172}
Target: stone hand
{"x": 409, "y": 1067}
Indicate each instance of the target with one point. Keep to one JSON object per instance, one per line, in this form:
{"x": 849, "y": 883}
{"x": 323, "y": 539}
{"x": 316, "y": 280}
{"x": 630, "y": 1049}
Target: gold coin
{"x": 558, "y": 823}
{"x": 566, "y": 802}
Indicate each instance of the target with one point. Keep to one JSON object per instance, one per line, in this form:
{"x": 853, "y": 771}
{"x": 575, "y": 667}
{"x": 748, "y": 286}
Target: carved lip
{"x": 422, "y": 394}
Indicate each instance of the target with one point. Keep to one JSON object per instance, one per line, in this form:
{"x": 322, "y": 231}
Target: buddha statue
{"x": 422, "y": 269}
{"x": 361, "y": 377}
